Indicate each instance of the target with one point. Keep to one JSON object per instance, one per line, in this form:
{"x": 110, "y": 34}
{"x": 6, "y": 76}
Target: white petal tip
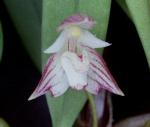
{"x": 31, "y": 97}
{"x": 47, "y": 51}
{"x": 108, "y": 44}
{"x": 119, "y": 92}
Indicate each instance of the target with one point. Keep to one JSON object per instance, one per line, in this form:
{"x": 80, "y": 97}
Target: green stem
{"x": 93, "y": 107}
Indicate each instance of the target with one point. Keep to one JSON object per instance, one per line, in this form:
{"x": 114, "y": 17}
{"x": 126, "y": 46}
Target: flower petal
{"x": 92, "y": 87}
{"x": 75, "y": 69}
{"x": 88, "y": 39}
{"x": 52, "y": 75}
{"x": 80, "y": 20}
{"x": 58, "y": 44}
{"x": 60, "y": 88}
{"x": 100, "y": 73}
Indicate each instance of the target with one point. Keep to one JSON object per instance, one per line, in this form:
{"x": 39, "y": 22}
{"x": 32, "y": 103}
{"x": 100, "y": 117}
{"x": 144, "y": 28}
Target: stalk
{"x": 93, "y": 108}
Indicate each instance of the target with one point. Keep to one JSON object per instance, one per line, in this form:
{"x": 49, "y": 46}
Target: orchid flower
{"x": 74, "y": 62}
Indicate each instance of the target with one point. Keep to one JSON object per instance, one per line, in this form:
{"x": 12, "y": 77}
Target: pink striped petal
{"x": 100, "y": 73}
{"x": 60, "y": 88}
{"x": 93, "y": 86}
{"x": 52, "y": 75}
{"x": 82, "y": 21}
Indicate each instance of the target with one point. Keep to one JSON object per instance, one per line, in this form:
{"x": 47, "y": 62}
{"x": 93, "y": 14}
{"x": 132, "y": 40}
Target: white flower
{"x": 74, "y": 62}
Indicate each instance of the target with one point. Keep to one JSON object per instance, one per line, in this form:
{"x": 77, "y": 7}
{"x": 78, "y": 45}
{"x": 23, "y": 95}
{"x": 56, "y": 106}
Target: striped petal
{"x": 58, "y": 44}
{"x": 88, "y": 39}
{"x": 100, "y": 74}
{"x": 93, "y": 86}
{"x": 52, "y": 76}
{"x": 75, "y": 69}
{"x": 61, "y": 87}
{"x": 80, "y": 20}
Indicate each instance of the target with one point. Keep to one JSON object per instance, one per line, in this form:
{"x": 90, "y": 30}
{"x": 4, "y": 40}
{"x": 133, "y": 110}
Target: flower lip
{"x": 75, "y": 69}
{"x": 81, "y": 20}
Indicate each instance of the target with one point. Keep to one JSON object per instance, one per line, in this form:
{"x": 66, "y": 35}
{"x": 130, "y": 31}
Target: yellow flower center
{"x": 75, "y": 31}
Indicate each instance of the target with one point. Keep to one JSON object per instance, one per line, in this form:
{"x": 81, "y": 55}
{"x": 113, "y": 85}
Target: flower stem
{"x": 93, "y": 107}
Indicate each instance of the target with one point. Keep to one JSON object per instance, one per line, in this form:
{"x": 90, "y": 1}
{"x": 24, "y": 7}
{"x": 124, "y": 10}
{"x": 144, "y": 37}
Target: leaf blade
{"x": 26, "y": 16}
{"x": 140, "y": 13}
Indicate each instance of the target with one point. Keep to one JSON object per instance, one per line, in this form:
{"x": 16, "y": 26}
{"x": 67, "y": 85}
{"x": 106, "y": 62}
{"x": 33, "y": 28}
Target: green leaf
{"x": 3, "y": 123}
{"x": 26, "y": 16}
{"x": 66, "y": 108}
{"x": 140, "y": 13}
{"x": 1, "y": 41}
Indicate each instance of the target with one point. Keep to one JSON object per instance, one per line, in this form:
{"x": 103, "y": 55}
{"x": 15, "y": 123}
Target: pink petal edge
{"x": 77, "y": 19}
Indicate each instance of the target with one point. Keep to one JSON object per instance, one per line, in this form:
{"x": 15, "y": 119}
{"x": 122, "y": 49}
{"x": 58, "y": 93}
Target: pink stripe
{"x": 48, "y": 72}
{"x": 41, "y": 86}
{"x": 98, "y": 58}
{"x": 46, "y": 68}
{"x": 100, "y": 70}
{"x": 101, "y": 86}
{"x": 45, "y": 71}
{"x": 75, "y": 19}
{"x": 103, "y": 80}
{"x": 72, "y": 19}
{"x": 101, "y": 60}
{"x": 94, "y": 53}
{"x": 104, "y": 65}
{"x": 45, "y": 86}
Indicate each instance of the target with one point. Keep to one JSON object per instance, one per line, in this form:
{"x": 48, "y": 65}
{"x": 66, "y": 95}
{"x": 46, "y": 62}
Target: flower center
{"x": 75, "y": 69}
{"x": 75, "y": 31}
